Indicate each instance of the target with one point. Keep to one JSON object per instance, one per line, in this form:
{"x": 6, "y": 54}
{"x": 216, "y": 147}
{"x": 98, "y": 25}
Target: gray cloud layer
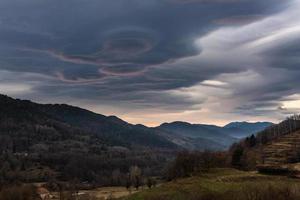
{"x": 142, "y": 56}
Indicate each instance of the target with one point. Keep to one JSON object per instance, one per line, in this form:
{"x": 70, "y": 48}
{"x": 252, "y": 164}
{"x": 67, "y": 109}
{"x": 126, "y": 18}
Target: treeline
{"x": 194, "y": 163}
{"x": 111, "y": 168}
{"x": 70, "y": 189}
{"x": 290, "y": 125}
{"x": 50, "y": 150}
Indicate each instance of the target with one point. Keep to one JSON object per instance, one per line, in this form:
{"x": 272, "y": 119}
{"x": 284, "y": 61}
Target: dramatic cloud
{"x": 206, "y": 61}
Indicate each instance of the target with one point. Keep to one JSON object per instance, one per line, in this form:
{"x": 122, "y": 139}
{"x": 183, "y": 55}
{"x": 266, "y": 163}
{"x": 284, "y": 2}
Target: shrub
{"x": 189, "y": 163}
{"x": 19, "y": 193}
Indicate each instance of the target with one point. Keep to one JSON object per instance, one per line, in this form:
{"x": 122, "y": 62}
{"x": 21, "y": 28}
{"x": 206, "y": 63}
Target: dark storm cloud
{"x": 134, "y": 51}
{"x": 285, "y": 55}
{"x": 113, "y": 32}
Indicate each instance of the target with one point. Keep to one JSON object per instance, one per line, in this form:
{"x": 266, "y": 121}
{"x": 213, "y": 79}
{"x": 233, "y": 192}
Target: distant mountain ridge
{"x": 202, "y": 136}
{"x": 210, "y": 135}
{"x": 244, "y": 129}
{"x": 114, "y": 131}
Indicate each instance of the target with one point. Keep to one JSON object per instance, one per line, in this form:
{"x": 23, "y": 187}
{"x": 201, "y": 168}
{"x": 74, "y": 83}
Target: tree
{"x": 250, "y": 141}
{"x": 237, "y": 156}
{"x": 135, "y": 175}
{"x": 128, "y": 182}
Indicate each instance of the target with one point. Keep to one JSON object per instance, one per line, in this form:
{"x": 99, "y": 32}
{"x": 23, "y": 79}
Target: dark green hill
{"x": 73, "y": 119}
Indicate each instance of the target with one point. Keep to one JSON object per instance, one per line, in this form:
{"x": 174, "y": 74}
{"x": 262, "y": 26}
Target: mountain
{"x": 209, "y": 137}
{"x": 244, "y": 129}
{"x": 42, "y": 142}
{"x": 111, "y": 129}
{"x": 197, "y": 136}
{"x": 115, "y": 132}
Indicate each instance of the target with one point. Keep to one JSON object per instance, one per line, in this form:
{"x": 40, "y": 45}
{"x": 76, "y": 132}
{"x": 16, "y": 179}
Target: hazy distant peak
{"x": 244, "y": 123}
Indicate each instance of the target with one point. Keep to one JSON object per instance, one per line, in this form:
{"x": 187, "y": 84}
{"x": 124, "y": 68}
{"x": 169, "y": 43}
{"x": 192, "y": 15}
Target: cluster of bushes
{"x": 245, "y": 156}
{"x": 192, "y": 163}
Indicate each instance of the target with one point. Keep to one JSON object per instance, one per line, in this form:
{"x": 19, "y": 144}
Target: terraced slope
{"x": 282, "y": 150}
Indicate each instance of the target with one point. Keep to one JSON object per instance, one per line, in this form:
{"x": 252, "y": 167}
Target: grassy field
{"x": 225, "y": 184}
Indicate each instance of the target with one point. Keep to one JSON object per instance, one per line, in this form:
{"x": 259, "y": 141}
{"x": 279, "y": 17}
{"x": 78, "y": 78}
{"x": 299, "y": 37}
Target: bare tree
{"x": 136, "y": 176}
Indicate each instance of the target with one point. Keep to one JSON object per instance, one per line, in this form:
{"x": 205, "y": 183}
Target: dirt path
{"x": 104, "y": 193}
{"x": 108, "y": 192}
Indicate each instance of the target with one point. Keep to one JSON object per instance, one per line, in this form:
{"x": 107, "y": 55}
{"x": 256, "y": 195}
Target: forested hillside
{"x": 45, "y": 142}
{"x": 274, "y": 148}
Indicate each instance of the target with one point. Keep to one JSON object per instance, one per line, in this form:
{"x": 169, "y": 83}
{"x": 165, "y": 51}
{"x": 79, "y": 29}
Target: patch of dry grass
{"x": 225, "y": 184}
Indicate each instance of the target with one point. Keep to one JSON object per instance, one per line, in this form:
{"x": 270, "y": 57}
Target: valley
{"x": 72, "y": 152}
{"x": 41, "y": 142}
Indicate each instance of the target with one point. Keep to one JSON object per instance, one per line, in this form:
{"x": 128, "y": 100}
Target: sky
{"x": 155, "y": 61}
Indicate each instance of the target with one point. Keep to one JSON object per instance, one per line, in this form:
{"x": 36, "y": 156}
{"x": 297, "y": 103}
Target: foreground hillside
{"x": 225, "y": 184}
